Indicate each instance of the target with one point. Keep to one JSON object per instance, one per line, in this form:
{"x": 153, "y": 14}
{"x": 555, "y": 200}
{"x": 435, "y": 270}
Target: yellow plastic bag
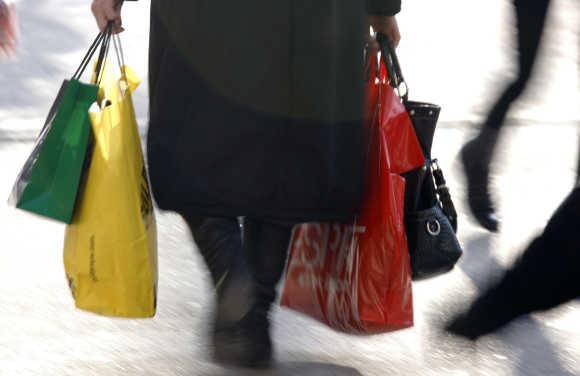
{"x": 110, "y": 249}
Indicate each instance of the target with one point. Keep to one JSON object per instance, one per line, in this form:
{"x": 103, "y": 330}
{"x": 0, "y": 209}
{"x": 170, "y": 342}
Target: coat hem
{"x": 301, "y": 215}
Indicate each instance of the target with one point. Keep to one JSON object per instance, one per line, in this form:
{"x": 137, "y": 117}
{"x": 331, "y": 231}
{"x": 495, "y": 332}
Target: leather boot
{"x": 247, "y": 343}
{"x": 476, "y": 157}
{"x": 239, "y": 336}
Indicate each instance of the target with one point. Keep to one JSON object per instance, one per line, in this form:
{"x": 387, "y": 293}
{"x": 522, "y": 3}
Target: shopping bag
{"x": 430, "y": 215}
{"x": 404, "y": 148}
{"x": 356, "y": 277}
{"x": 48, "y": 183}
{"x": 110, "y": 248}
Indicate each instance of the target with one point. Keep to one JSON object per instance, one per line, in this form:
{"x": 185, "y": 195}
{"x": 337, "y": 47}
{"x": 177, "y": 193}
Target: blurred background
{"x": 455, "y": 53}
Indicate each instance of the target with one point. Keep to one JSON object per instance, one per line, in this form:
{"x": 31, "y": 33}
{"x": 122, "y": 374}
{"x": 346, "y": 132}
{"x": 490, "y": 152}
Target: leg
{"x": 219, "y": 241}
{"x": 265, "y": 248}
{"x": 220, "y": 244}
{"x": 248, "y": 343}
{"x": 477, "y": 154}
{"x": 546, "y": 276}
{"x": 530, "y": 18}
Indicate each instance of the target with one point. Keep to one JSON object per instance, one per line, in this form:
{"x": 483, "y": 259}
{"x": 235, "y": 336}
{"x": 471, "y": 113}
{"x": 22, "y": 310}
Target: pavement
{"x": 456, "y": 61}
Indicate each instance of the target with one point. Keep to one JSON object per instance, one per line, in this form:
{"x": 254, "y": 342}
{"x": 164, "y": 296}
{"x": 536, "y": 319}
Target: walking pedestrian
{"x": 255, "y": 112}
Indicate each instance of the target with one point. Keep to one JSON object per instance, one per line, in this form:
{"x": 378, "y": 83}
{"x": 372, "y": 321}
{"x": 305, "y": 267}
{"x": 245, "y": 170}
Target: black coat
{"x": 255, "y": 107}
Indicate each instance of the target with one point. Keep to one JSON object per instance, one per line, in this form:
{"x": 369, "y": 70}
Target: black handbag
{"x": 430, "y": 216}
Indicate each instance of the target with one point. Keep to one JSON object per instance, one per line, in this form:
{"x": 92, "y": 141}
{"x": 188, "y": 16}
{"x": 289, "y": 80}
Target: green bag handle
{"x": 103, "y": 40}
{"x": 89, "y": 55}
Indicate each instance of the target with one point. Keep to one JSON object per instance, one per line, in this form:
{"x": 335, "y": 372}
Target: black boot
{"x": 245, "y": 344}
{"x": 248, "y": 342}
{"x": 236, "y": 339}
{"x": 476, "y": 157}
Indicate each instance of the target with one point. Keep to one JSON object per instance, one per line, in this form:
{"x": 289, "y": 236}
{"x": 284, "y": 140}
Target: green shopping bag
{"x": 49, "y": 181}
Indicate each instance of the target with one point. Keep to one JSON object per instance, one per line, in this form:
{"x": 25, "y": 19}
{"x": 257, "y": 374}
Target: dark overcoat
{"x": 256, "y": 106}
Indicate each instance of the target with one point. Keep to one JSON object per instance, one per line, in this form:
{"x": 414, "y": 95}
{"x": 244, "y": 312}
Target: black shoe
{"x": 463, "y": 327}
{"x": 240, "y": 335}
{"x": 488, "y": 314}
{"x": 246, "y": 344}
{"x": 475, "y": 158}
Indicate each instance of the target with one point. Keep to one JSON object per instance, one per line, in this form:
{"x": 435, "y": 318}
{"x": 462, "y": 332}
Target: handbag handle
{"x": 389, "y": 56}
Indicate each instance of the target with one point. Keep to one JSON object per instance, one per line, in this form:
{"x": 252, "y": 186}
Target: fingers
{"x": 388, "y": 26}
{"x": 106, "y": 11}
{"x": 394, "y": 36}
{"x": 98, "y": 12}
{"x": 394, "y": 33}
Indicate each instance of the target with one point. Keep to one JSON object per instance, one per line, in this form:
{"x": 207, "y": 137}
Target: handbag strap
{"x": 443, "y": 193}
{"x": 389, "y": 56}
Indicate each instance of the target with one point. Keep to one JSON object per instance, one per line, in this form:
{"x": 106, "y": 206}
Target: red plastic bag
{"x": 356, "y": 278}
{"x": 404, "y": 148}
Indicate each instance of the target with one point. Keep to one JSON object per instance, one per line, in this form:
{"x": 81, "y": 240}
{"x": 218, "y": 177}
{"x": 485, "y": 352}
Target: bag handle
{"x": 100, "y": 66}
{"x": 99, "y": 69}
{"x": 120, "y": 55}
{"x": 103, "y": 40}
{"x": 88, "y": 56}
{"x": 389, "y": 56}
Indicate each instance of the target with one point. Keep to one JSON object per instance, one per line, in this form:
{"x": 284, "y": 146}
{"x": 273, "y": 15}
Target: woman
{"x": 255, "y": 112}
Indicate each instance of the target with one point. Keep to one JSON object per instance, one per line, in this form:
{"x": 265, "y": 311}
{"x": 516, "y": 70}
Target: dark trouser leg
{"x": 477, "y": 154}
{"x": 265, "y": 247}
{"x": 219, "y": 241}
{"x": 241, "y": 330}
{"x": 531, "y": 18}
{"x": 547, "y": 275}
{"x": 552, "y": 272}
{"x": 249, "y": 343}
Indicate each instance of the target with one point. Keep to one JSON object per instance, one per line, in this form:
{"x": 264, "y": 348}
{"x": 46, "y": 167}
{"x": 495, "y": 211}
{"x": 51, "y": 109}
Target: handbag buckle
{"x": 433, "y": 227}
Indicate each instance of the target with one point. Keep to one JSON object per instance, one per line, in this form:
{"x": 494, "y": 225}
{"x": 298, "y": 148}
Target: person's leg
{"x": 531, "y": 19}
{"x": 478, "y": 153}
{"x": 547, "y": 275}
{"x": 219, "y": 242}
{"x": 265, "y": 246}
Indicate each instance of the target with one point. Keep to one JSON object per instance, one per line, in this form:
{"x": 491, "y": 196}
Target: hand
{"x": 108, "y": 10}
{"x": 388, "y": 26}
